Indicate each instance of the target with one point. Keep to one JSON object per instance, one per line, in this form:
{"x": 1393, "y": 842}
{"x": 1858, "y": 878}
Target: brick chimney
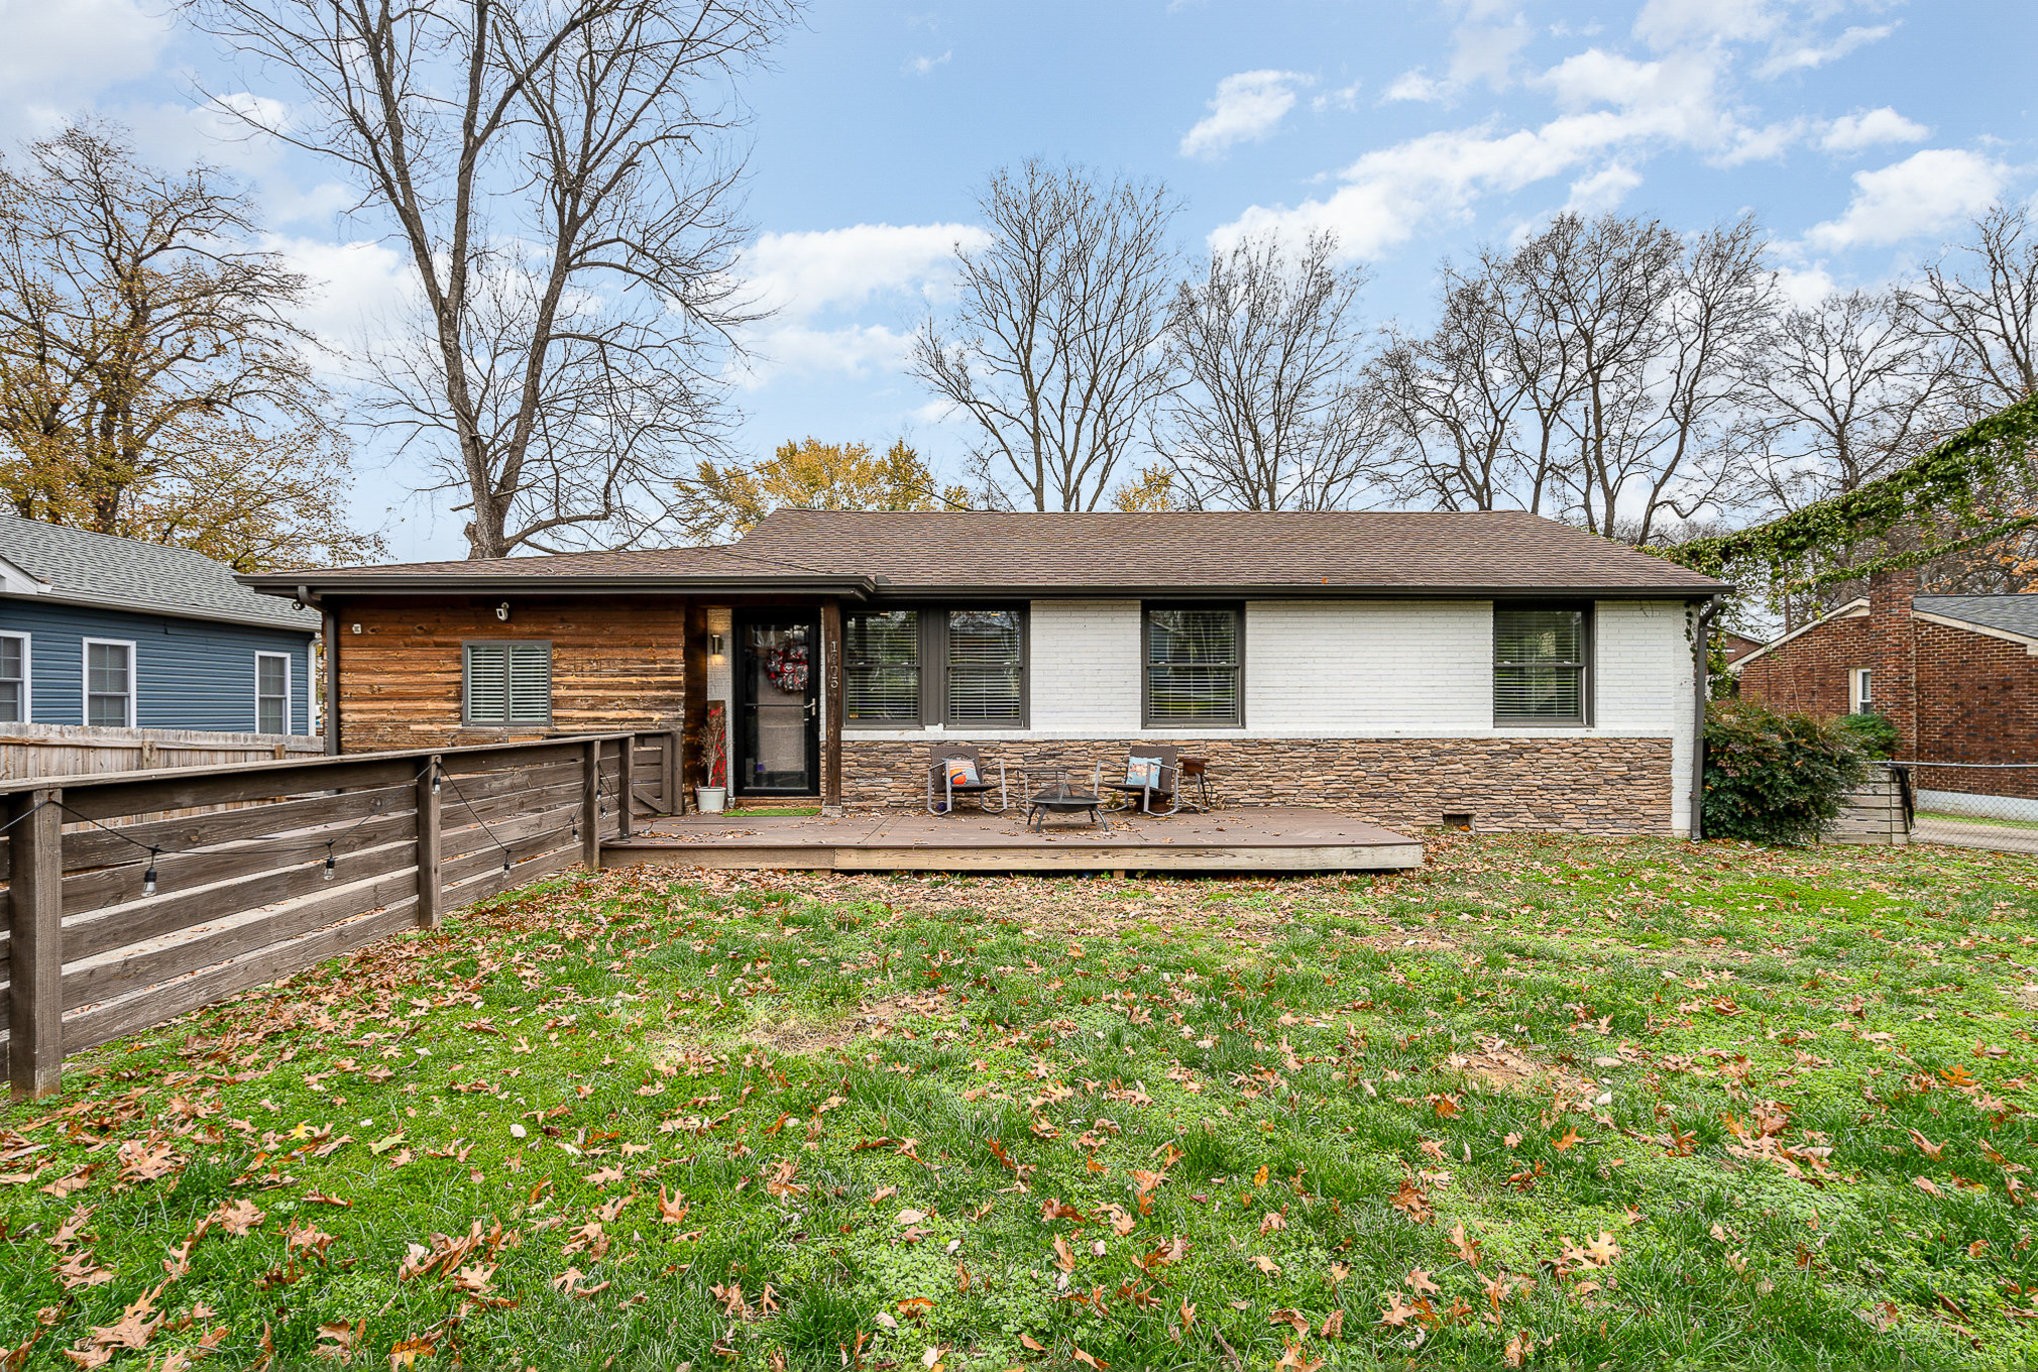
{"x": 1893, "y": 641}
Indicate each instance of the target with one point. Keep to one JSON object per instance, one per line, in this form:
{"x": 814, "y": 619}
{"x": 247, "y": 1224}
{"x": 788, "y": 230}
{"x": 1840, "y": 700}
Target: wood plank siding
{"x": 617, "y": 664}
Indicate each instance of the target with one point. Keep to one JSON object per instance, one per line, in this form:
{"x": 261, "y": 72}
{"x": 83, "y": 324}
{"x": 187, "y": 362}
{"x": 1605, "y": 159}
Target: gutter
{"x": 877, "y": 588}
{"x": 398, "y": 584}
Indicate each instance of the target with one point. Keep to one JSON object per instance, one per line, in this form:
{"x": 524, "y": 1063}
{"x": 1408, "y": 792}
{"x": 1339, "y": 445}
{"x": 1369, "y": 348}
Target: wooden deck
{"x": 1271, "y": 839}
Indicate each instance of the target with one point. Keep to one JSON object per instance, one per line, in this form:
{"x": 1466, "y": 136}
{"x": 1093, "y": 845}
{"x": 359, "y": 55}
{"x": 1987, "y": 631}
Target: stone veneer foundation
{"x": 1585, "y": 785}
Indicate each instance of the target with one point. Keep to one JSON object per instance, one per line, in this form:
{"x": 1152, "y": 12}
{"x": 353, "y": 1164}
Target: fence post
{"x": 35, "y": 1018}
{"x": 624, "y": 771}
{"x": 675, "y": 802}
{"x": 590, "y": 807}
{"x": 428, "y": 844}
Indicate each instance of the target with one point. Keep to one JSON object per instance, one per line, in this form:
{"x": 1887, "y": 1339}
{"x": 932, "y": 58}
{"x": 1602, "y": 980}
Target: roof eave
{"x": 374, "y": 583}
{"x": 1300, "y": 590}
{"x": 248, "y": 621}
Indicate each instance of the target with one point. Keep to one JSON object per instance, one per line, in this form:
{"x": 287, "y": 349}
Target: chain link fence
{"x": 1972, "y": 804}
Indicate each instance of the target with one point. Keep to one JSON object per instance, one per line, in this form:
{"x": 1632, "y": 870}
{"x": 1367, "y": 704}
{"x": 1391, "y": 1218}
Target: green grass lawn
{"x": 1562, "y": 1104}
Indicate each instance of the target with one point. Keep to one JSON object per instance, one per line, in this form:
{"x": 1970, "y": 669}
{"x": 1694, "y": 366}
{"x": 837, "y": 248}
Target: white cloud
{"x": 58, "y": 54}
{"x": 1343, "y": 98}
{"x": 1866, "y": 128}
{"x": 1673, "y": 23}
{"x": 1248, "y": 106}
{"x": 1804, "y": 287}
{"x": 363, "y": 291}
{"x": 921, "y": 66}
{"x": 808, "y": 277}
{"x": 1925, "y": 193}
{"x": 1805, "y": 55}
{"x": 1617, "y": 111}
{"x": 1414, "y": 85}
{"x": 1603, "y": 189}
{"x": 803, "y": 274}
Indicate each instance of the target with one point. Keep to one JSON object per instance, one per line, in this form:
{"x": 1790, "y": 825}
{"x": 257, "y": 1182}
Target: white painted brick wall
{"x": 1085, "y": 660}
{"x": 1643, "y": 653}
{"x": 1323, "y": 667}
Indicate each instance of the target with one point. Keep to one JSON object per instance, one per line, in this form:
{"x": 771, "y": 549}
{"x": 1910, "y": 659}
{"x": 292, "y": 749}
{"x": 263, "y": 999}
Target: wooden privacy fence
{"x": 67, "y": 750}
{"x": 118, "y": 918}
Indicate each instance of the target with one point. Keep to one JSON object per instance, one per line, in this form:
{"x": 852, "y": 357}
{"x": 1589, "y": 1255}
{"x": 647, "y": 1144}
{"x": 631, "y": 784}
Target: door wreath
{"x": 786, "y": 668}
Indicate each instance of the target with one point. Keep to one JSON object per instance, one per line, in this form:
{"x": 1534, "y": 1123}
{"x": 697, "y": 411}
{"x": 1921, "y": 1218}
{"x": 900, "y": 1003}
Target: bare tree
{"x": 1272, "y": 409}
{"x": 152, "y": 373}
{"x": 1984, "y": 307}
{"x": 1053, "y": 348}
{"x": 1849, "y": 393}
{"x": 1657, "y": 337}
{"x": 549, "y": 168}
{"x": 1457, "y": 398}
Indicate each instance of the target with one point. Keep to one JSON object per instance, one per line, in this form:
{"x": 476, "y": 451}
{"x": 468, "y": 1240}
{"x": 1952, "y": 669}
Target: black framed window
{"x": 505, "y": 683}
{"x": 961, "y": 666}
{"x": 881, "y": 667}
{"x": 1194, "y": 666}
{"x": 1542, "y": 664}
{"x": 986, "y": 659}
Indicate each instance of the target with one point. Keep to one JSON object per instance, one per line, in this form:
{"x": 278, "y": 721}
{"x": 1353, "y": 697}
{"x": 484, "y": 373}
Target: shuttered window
{"x": 508, "y": 683}
{"x": 986, "y": 663}
{"x": 272, "y": 693}
{"x": 1541, "y": 664}
{"x": 1194, "y": 666}
{"x": 881, "y": 667}
{"x": 13, "y": 678}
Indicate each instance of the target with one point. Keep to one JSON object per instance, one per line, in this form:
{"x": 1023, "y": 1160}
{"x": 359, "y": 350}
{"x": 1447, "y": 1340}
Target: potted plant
{"x": 711, "y": 798}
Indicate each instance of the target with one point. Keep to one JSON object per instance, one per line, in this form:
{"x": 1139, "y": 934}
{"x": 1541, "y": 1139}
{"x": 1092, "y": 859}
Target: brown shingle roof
{"x": 1500, "y": 551}
{"x": 981, "y": 553}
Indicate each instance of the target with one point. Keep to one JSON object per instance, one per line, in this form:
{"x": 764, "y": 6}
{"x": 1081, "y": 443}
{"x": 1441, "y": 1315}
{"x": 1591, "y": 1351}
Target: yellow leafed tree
{"x": 728, "y": 501}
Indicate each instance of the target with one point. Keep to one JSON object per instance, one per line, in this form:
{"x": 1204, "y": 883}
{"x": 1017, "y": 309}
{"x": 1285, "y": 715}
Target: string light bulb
{"x": 149, "y": 877}
{"x": 435, "y": 778}
{"x": 329, "y": 860}
{"x": 505, "y": 860}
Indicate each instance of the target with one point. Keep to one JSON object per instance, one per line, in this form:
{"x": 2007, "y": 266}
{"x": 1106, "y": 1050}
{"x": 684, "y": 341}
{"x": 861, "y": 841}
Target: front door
{"x": 778, "y": 703}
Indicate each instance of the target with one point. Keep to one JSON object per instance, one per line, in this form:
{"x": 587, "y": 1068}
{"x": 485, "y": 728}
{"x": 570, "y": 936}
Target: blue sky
{"x": 1863, "y": 135}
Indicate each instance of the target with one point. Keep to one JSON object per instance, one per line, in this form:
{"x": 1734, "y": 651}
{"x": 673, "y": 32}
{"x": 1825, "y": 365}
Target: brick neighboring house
{"x": 1956, "y": 674}
{"x": 1403, "y": 667}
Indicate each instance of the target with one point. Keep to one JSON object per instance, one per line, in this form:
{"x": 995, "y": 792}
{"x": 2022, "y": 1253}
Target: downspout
{"x": 1701, "y": 696}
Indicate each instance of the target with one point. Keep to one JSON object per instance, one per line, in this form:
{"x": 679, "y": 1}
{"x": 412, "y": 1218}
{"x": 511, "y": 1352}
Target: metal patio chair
{"x": 943, "y": 788}
{"x": 1153, "y": 773}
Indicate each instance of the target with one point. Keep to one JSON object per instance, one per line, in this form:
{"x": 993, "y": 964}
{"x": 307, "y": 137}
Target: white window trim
{"x": 289, "y": 684}
{"x": 1858, "y": 701}
{"x": 85, "y": 678}
{"x": 27, "y": 673}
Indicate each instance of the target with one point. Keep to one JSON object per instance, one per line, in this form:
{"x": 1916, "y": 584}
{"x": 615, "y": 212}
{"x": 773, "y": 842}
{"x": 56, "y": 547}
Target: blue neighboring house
{"x": 110, "y": 631}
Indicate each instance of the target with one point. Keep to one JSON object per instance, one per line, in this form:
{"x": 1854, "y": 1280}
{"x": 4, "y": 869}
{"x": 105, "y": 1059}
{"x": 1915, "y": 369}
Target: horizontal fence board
{"x": 552, "y": 826}
{"x": 163, "y": 1003}
{"x": 137, "y": 966}
{"x": 262, "y": 782}
{"x": 493, "y": 881}
{"x": 169, "y": 911}
{"x": 461, "y": 822}
{"x": 459, "y": 792}
{"x": 87, "y": 847}
{"x": 101, "y": 887}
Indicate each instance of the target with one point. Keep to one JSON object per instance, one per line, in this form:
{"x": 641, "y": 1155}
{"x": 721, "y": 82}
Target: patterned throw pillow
{"x": 962, "y": 771}
{"x": 1143, "y": 771}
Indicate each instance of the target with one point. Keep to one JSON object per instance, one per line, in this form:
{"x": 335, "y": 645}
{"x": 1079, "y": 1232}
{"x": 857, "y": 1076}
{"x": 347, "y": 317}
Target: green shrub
{"x": 1774, "y": 778}
{"x": 1875, "y": 733}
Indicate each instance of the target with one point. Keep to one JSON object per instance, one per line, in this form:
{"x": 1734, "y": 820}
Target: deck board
{"x": 1272, "y": 838}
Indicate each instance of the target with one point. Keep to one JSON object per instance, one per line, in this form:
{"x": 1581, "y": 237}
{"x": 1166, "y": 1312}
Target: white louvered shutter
{"x": 488, "y": 683}
{"x": 530, "y": 683}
